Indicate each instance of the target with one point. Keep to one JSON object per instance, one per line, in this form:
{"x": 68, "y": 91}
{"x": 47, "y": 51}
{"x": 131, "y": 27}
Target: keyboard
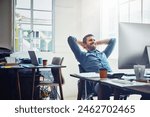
{"x": 121, "y": 81}
{"x": 115, "y": 75}
{"x": 27, "y": 65}
{"x": 129, "y": 74}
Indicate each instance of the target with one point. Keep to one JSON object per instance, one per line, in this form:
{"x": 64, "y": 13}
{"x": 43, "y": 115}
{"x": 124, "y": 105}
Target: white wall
{"x": 67, "y": 22}
{"x": 90, "y": 17}
{"x": 6, "y": 23}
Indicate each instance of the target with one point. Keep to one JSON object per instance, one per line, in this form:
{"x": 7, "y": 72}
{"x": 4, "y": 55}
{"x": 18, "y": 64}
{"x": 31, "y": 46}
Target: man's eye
{"x": 92, "y": 40}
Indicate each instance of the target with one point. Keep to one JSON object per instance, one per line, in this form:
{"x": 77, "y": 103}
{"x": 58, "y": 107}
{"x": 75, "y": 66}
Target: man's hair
{"x": 86, "y": 36}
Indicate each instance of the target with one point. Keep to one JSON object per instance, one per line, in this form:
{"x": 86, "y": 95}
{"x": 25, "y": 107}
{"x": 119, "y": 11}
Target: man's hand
{"x": 99, "y": 42}
{"x": 81, "y": 43}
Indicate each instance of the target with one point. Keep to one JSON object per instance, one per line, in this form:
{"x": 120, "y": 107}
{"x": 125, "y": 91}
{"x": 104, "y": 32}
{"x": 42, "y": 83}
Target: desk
{"x": 135, "y": 87}
{"x": 34, "y": 68}
{"x": 144, "y": 89}
{"x": 121, "y": 88}
{"x": 16, "y": 68}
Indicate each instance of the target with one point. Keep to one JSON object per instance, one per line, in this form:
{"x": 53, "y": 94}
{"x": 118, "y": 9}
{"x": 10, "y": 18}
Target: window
{"x": 124, "y": 11}
{"x": 146, "y": 11}
{"x": 34, "y": 25}
{"x": 135, "y": 11}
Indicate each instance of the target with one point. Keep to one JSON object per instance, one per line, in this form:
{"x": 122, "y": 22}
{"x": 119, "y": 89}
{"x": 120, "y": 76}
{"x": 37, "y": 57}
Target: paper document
{"x": 89, "y": 75}
{"x": 128, "y": 77}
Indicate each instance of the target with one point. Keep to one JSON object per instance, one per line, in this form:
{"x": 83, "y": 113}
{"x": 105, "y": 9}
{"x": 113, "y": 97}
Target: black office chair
{"x": 85, "y": 88}
{"x": 58, "y": 82}
{"x": 4, "y": 52}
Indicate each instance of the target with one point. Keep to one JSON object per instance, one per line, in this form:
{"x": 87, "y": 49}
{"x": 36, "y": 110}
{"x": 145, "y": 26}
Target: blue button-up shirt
{"x": 91, "y": 61}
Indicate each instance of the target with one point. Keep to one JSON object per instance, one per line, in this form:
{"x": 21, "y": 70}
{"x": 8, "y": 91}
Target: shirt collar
{"x": 91, "y": 51}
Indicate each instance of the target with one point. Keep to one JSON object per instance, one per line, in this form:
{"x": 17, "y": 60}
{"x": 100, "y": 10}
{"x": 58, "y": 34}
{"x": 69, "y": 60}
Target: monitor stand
{"x": 148, "y": 55}
{"x": 148, "y": 52}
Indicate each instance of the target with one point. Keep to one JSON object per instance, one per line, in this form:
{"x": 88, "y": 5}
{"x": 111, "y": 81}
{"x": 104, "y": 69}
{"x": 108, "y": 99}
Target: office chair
{"x": 85, "y": 88}
{"x": 58, "y": 82}
{"x": 4, "y": 52}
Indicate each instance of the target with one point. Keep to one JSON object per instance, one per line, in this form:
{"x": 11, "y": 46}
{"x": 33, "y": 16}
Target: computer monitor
{"x": 134, "y": 45}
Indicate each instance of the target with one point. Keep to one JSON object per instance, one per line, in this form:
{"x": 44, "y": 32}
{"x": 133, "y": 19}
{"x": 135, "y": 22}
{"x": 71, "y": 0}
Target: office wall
{"x": 6, "y": 23}
{"x": 90, "y": 17}
{"x": 67, "y": 22}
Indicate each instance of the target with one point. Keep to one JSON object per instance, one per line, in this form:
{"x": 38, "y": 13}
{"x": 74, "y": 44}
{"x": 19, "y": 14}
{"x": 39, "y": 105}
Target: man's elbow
{"x": 71, "y": 38}
{"x": 112, "y": 40}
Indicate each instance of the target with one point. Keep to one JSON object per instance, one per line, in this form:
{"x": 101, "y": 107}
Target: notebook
{"x": 33, "y": 58}
{"x": 34, "y": 61}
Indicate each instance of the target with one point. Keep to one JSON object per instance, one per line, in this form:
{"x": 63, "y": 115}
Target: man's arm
{"x": 80, "y": 43}
{"x": 73, "y": 43}
{"x": 104, "y": 41}
{"x": 110, "y": 46}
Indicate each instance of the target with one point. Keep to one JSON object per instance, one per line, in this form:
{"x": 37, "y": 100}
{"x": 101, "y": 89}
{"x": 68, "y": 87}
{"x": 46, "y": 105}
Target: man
{"x": 93, "y": 60}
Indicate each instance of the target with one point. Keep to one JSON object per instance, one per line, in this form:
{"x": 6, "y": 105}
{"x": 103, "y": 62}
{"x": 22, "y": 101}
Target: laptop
{"x": 34, "y": 60}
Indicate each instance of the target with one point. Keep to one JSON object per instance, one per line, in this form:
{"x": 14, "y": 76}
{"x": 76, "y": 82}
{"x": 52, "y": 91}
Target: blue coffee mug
{"x": 40, "y": 60}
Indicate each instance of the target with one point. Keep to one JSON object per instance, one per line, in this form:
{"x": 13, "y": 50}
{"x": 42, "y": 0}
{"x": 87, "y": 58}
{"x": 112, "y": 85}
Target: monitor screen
{"x": 134, "y": 43}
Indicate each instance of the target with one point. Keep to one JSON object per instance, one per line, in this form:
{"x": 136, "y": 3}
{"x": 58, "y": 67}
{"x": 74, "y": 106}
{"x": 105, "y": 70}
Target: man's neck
{"x": 92, "y": 50}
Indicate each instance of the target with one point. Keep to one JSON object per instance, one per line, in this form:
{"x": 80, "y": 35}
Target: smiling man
{"x": 92, "y": 60}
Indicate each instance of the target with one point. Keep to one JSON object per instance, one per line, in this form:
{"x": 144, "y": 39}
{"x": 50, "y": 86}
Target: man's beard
{"x": 91, "y": 48}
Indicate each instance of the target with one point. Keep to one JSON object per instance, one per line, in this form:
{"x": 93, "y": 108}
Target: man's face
{"x": 90, "y": 43}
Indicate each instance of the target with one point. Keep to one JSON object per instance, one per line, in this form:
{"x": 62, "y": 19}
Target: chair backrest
{"x": 81, "y": 69}
{"x": 89, "y": 84}
{"x": 56, "y": 72}
{"x": 4, "y": 52}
